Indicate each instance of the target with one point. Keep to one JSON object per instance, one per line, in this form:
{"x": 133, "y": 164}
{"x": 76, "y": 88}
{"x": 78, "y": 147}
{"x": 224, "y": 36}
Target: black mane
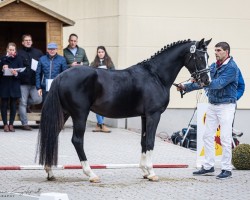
{"x": 165, "y": 48}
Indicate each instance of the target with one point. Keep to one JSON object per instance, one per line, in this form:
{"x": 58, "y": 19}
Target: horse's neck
{"x": 168, "y": 67}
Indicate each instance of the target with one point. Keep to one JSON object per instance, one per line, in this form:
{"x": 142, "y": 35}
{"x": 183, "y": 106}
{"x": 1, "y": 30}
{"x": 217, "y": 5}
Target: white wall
{"x": 133, "y": 30}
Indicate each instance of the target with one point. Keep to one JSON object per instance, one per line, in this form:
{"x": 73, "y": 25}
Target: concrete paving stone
{"x": 119, "y": 147}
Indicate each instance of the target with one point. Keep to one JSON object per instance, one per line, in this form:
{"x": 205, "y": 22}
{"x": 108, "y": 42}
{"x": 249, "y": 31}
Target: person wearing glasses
{"x": 30, "y": 57}
{"x": 49, "y": 66}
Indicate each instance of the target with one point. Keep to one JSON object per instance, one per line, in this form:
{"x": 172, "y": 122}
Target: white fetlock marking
{"x": 87, "y": 170}
{"x": 49, "y": 171}
{"x": 143, "y": 165}
{"x": 149, "y": 164}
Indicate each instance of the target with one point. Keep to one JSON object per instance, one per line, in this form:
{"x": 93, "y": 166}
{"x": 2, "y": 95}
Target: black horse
{"x": 140, "y": 90}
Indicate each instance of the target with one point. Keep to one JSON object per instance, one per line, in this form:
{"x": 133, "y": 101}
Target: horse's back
{"x": 111, "y": 93}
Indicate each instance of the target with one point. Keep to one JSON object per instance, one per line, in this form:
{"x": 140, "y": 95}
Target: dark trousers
{"x": 4, "y": 109}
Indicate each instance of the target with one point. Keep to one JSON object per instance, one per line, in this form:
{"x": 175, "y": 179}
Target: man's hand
{"x": 76, "y": 64}
{"x": 40, "y": 93}
{"x": 180, "y": 87}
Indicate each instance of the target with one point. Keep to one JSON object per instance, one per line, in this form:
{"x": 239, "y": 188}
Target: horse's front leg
{"x": 149, "y": 126}
{"x": 77, "y": 140}
{"x": 143, "y": 162}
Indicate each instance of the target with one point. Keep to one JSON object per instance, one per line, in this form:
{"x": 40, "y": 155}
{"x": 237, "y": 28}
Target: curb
{"x": 106, "y": 166}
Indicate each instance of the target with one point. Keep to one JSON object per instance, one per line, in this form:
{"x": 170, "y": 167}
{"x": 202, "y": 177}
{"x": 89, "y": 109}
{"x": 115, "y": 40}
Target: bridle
{"x": 193, "y": 56}
{"x": 197, "y": 73}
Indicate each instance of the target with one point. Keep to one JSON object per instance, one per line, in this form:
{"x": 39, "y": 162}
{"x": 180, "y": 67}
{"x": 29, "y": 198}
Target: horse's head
{"x": 196, "y": 61}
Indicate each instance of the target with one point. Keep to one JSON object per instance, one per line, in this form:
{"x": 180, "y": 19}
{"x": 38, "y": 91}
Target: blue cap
{"x": 52, "y": 45}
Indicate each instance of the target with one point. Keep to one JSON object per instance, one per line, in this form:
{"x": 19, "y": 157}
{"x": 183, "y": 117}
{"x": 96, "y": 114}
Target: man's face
{"x": 52, "y": 52}
{"x": 27, "y": 42}
{"x": 220, "y": 54}
{"x": 73, "y": 41}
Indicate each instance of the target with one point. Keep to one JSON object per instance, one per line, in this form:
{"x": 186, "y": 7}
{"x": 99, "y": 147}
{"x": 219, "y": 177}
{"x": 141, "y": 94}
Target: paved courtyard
{"x": 119, "y": 147}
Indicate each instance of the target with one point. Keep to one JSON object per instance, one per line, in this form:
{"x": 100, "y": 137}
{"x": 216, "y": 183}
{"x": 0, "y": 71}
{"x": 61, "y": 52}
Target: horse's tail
{"x": 51, "y": 123}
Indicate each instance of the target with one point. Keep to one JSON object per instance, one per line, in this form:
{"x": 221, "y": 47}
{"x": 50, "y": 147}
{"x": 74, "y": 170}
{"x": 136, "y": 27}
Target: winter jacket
{"x": 224, "y": 83}
{"x": 28, "y": 77}
{"x": 10, "y": 85}
{"x": 79, "y": 57}
{"x": 49, "y": 68}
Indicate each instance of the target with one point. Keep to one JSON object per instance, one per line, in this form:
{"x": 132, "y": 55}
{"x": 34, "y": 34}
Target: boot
{"x": 11, "y": 128}
{"x": 105, "y": 129}
{"x": 97, "y": 128}
{"x": 6, "y": 128}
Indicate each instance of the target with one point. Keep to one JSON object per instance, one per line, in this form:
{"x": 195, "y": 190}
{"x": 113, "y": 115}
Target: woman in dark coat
{"x": 10, "y": 90}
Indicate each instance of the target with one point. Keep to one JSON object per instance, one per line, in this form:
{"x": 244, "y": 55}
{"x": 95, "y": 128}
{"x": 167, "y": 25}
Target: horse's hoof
{"x": 95, "y": 180}
{"x": 52, "y": 178}
{"x": 145, "y": 176}
{"x": 153, "y": 178}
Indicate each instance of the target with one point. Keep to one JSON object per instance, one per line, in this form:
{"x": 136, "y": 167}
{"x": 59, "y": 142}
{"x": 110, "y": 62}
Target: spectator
{"x": 29, "y": 93}
{"x": 10, "y": 90}
{"x": 74, "y": 54}
{"x": 102, "y": 60}
{"x": 49, "y": 66}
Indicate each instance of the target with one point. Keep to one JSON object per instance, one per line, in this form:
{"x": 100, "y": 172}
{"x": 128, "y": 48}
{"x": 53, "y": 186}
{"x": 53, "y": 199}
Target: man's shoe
{"x": 26, "y": 128}
{"x": 105, "y": 129}
{"x": 224, "y": 174}
{"x": 204, "y": 172}
{"x": 97, "y": 128}
{"x": 11, "y": 128}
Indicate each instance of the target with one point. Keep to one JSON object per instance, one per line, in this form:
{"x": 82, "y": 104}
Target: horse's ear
{"x": 207, "y": 42}
{"x": 201, "y": 44}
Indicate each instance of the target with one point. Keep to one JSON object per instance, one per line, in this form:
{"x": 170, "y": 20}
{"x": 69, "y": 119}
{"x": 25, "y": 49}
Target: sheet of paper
{"x": 7, "y": 72}
{"x": 102, "y": 67}
{"x": 34, "y": 64}
{"x": 20, "y": 69}
{"x": 48, "y": 84}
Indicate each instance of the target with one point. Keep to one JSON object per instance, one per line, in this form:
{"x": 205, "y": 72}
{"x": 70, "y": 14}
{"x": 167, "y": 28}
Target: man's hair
{"x": 224, "y": 45}
{"x": 26, "y": 35}
{"x": 73, "y": 34}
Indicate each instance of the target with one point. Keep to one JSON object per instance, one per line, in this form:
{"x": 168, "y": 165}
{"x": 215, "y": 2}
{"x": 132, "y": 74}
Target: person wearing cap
{"x": 30, "y": 56}
{"x": 74, "y": 54}
{"x": 49, "y": 66}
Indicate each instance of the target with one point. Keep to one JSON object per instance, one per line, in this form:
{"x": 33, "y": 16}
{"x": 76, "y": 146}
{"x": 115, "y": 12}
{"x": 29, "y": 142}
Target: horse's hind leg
{"x": 149, "y": 126}
{"x": 78, "y": 142}
{"x": 47, "y": 168}
{"x": 50, "y": 176}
